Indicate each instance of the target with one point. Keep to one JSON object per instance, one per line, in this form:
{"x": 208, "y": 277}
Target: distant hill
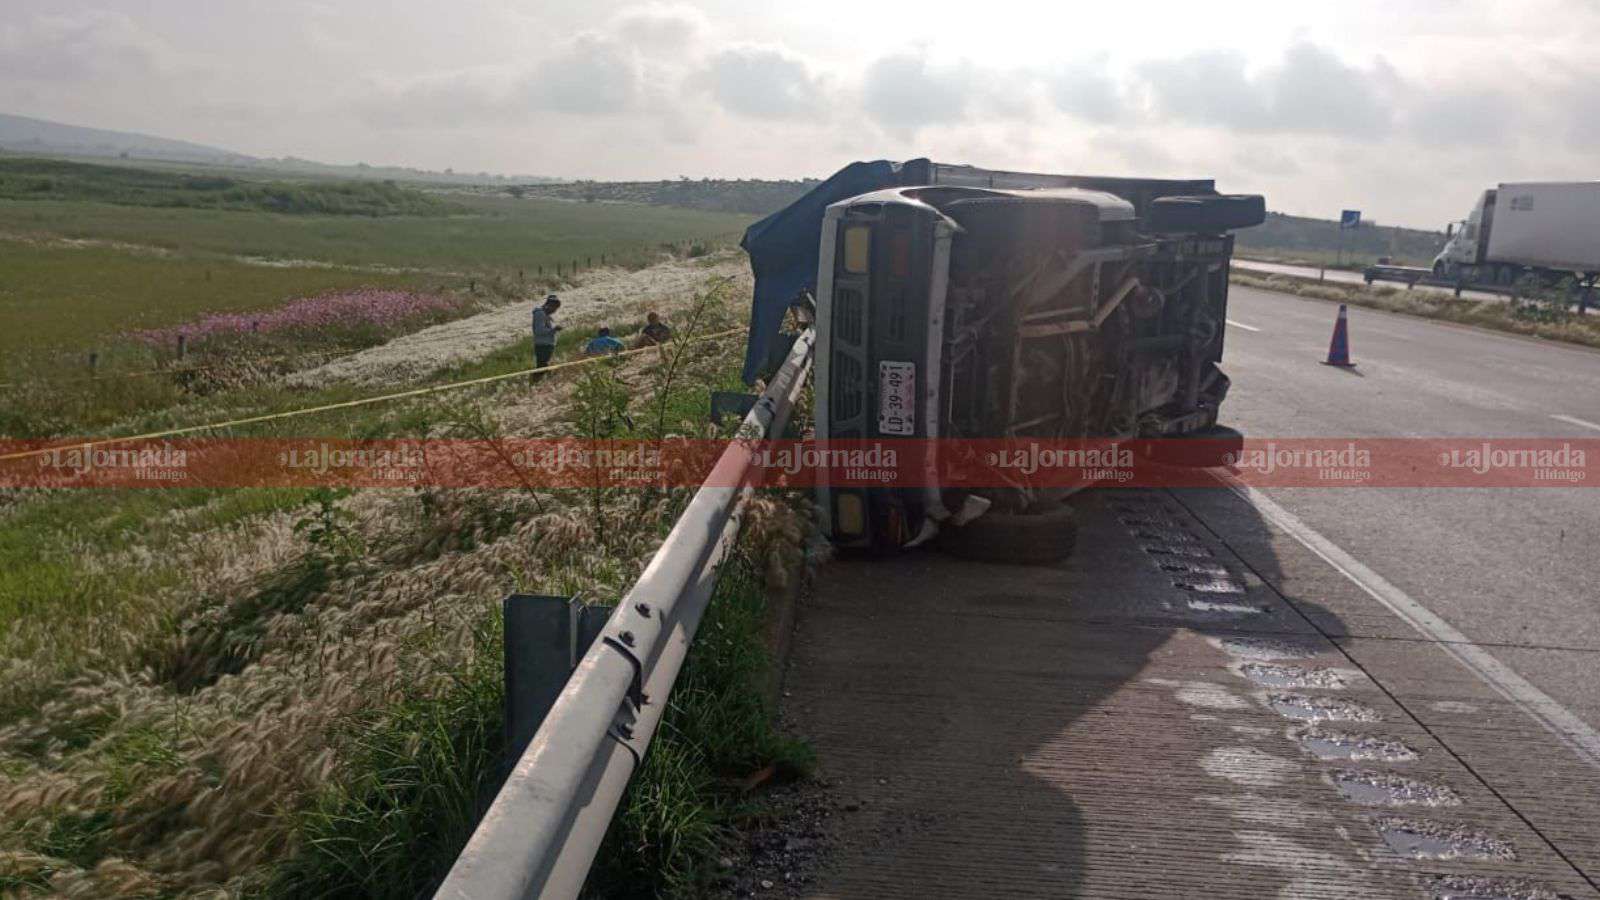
{"x": 1286, "y": 238}
{"x": 720, "y": 195}
{"x": 38, "y": 137}
{"x": 35, "y": 178}
{"x": 1280, "y": 237}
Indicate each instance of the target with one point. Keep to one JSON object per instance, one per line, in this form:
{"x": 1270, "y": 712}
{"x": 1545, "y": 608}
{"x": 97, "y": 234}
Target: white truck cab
{"x": 1465, "y": 248}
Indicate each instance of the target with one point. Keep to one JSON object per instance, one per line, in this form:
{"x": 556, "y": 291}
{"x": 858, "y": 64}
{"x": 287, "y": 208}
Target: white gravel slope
{"x": 618, "y": 294}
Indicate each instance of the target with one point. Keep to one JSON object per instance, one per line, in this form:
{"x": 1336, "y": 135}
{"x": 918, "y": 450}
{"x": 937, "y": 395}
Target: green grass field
{"x": 496, "y": 234}
{"x": 58, "y": 296}
{"x": 76, "y": 275}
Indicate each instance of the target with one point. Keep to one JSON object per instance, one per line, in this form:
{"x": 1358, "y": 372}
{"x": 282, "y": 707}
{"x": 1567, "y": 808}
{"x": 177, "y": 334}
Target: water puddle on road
{"x": 1386, "y": 789}
{"x": 1208, "y": 584}
{"x": 1195, "y": 568}
{"x": 1337, "y": 745}
{"x": 1459, "y": 887}
{"x": 1150, "y": 521}
{"x": 1264, "y": 648}
{"x": 1321, "y": 709}
{"x": 1279, "y": 676}
{"x": 1184, "y": 551}
{"x": 1232, "y": 609}
{"x": 1171, "y": 535}
{"x": 1431, "y": 840}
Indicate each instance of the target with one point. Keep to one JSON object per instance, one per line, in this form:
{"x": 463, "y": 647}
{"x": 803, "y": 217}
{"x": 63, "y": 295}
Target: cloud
{"x": 1144, "y": 156}
{"x": 594, "y": 74}
{"x": 591, "y": 75}
{"x": 1311, "y": 91}
{"x": 1262, "y": 159}
{"x": 660, "y": 27}
{"x": 1456, "y": 115}
{"x": 1206, "y": 88}
{"x": 761, "y": 82}
{"x": 447, "y": 99}
{"x": 1086, "y": 91}
{"x": 1315, "y": 91}
{"x": 82, "y": 46}
{"x": 905, "y": 92}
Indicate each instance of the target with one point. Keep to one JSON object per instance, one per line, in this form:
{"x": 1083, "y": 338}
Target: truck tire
{"x": 999, "y": 228}
{"x": 1218, "y": 445}
{"x": 1208, "y": 215}
{"x": 1034, "y": 538}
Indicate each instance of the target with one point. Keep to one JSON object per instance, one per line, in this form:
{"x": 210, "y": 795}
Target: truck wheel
{"x": 1218, "y": 445}
{"x": 1031, "y": 538}
{"x": 1212, "y": 214}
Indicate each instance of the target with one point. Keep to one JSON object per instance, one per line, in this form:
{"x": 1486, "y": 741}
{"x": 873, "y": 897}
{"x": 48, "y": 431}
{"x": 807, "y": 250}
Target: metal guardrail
{"x": 540, "y": 835}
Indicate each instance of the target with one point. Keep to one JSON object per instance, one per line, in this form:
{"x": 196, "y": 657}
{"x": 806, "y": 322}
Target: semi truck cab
{"x": 1465, "y": 248}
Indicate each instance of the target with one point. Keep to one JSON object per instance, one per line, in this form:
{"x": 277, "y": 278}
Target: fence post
{"x": 183, "y": 345}
{"x": 94, "y": 362}
{"x": 545, "y": 636}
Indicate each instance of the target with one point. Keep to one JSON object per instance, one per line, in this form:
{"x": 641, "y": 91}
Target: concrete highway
{"x": 1514, "y": 568}
{"x": 1391, "y": 694}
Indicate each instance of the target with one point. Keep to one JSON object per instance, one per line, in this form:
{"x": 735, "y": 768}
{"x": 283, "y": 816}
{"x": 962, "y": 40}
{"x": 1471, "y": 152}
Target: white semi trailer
{"x": 1550, "y": 229}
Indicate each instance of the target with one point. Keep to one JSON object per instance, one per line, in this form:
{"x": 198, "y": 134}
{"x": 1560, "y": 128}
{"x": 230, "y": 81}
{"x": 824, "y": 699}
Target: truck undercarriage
{"x": 1058, "y": 309}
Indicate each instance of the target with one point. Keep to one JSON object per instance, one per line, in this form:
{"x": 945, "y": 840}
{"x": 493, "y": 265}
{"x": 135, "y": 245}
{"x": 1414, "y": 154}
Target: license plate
{"x": 897, "y": 392}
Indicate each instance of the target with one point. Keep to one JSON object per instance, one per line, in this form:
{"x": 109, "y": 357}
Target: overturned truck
{"x": 956, "y": 302}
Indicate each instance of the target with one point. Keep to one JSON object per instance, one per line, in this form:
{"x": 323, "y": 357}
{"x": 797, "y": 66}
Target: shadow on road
{"x": 966, "y": 709}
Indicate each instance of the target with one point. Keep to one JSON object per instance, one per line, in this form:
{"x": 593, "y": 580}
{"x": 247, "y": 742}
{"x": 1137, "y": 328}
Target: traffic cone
{"x": 1339, "y": 348}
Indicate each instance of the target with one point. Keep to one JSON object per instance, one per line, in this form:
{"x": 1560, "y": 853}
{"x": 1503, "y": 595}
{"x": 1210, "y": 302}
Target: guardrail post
{"x": 732, "y": 403}
{"x": 545, "y": 637}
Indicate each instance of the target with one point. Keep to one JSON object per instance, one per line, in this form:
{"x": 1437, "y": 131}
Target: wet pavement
{"x": 1175, "y": 711}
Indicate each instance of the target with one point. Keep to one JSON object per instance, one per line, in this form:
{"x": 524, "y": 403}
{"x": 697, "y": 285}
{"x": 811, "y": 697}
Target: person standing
{"x": 544, "y": 331}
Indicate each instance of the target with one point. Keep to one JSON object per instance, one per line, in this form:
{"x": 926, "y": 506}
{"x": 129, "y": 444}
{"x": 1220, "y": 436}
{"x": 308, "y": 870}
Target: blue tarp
{"x": 783, "y": 251}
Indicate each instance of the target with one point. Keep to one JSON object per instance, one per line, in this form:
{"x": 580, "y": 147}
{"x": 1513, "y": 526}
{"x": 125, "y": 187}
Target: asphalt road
{"x": 1514, "y": 569}
{"x": 1340, "y": 276}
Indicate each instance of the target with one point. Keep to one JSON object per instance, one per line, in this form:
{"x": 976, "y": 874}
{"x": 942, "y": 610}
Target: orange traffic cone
{"x": 1339, "y": 348}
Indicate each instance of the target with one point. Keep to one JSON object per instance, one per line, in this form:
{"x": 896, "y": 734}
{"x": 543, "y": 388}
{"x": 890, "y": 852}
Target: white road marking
{"x": 1574, "y": 420}
{"x": 1241, "y": 325}
{"x": 1557, "y": 719}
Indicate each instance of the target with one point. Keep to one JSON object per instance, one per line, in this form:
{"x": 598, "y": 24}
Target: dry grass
{"x": 174, "y": 743}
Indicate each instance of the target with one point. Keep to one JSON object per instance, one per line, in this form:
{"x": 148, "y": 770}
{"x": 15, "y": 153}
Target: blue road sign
{"x": 1350, "y": 218}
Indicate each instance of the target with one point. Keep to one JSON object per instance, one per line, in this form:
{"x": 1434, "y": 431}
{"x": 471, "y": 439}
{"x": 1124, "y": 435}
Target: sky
{"x": 1404, "y": 109}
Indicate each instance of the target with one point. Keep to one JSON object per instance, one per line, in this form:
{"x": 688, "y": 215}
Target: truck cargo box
{"x": 1550, "y": 225}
